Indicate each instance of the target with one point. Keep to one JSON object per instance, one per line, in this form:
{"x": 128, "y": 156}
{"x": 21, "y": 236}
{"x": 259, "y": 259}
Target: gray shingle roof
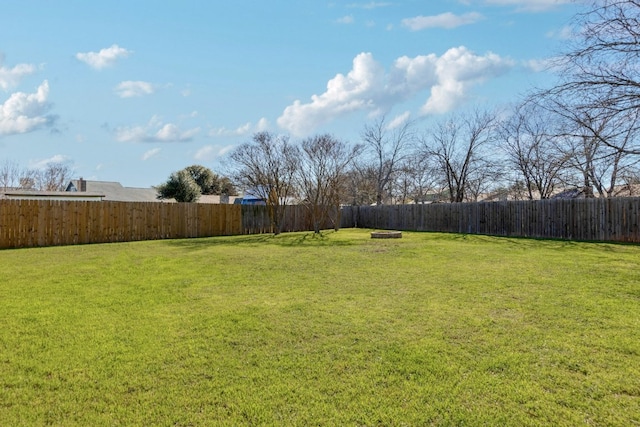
{"x": 114, "y": 191}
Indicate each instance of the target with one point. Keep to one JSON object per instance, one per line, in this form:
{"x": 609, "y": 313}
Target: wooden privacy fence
{"x": 28, "y": 223}
{"x": 614, "y": 219}
{"x": 256, "y": 220}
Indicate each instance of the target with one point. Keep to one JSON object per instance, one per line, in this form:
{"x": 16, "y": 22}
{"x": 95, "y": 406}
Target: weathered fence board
{"x": 614, "y": 219}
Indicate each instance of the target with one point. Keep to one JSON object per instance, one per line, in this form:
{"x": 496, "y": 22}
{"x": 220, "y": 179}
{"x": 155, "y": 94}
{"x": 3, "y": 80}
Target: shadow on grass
{"x": 292, "y": 239}
{"x": 328, "y": 238}
{"x": 531, "y": 242}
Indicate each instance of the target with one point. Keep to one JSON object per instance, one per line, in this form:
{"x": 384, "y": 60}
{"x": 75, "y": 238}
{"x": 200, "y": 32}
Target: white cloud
{"x": 399, "y": 120}
{"x": 445, "y": 20}
{"x": 245, "y": 129}
{"x": 151, "y": 153}
{"x": 206, "y": 153}
{"x": 43, "y": 163}
{"x": 105, "y": 58}
{"x": 25, "y": 112}
{"x": 130, "y": 89}
{"x": 223, "y": 131}
{"x": 171, "y": 132}
{"x": 345, "y": 20}
{"x": 530, "y": 5}
{"x": 564, "y": 33}
{"x": 155, "y": 131}
{"x": 10, "y": 77}
{"x": 262, "y": 125}
{"x": 537, "y": 65}
{"x": 211, "y": 152}
{"x": 369, "y": 87}
{"x": 457, "y": 71}
{"x": 344, "y": 94}
{"x": 226, "y": 149}
{"x": 541, "y": 65}
{"x": 370, "y": 5}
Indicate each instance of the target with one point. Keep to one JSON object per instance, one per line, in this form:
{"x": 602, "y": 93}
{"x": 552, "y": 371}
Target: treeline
{"x": 529, "y": 152}
{"x": 54, "y": 176}
{"x": 577, "y": 138}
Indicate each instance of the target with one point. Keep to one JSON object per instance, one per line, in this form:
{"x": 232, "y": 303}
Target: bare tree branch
{"x": 267, "y": 166}
{"x": 324, "y": 161}
{"x": 456, "y": 144}
{"x": 388, "y": 148}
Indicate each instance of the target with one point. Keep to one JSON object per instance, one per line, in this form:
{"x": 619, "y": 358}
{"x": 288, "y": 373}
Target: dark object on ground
{"x": 386, "y": 234}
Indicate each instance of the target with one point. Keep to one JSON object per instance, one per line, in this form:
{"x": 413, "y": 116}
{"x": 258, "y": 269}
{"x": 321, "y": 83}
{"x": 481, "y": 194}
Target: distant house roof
{"x": 215, "y": 199}
{"x": 50, "y": 195}
{"x": 113, "y": 191}
{"x": 574, "y": 193}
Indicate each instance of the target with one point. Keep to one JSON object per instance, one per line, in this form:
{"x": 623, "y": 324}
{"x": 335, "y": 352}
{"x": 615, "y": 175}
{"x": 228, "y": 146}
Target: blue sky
{"x": 131, "y": 91}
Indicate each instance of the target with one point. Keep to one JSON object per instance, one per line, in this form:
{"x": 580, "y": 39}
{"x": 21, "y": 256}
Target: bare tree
{"x": 388, "y": 146}
{"x": 29, "y": 179}
{"x": 528, "y": 139}
{"x": 417, "y": 180}
{"x": 9, "y": 175}
{"x": 402, "y": 186}
{"x": 599, "y": 72}
{"x": 324, "y": 161}
{"x": 596, "y": 148}
{"x": 485, "y": 178}
{"x": 456, "y": 145}
{"x": 54, "y": 177}
{"x": 267, "y": 166}
{"x": 361, "y": 184}
{"x": 630, "y": 183}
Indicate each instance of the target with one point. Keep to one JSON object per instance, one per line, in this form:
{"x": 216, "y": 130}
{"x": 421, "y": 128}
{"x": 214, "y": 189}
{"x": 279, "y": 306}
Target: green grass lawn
{"x": 430, "y": 329}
